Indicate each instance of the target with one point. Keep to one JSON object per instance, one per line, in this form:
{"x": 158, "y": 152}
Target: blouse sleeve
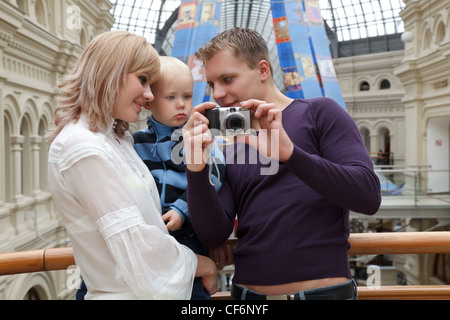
{"x": 152, "y": 263}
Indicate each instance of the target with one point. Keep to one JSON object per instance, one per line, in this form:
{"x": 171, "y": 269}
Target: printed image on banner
{"x": 321, "y": 49}
{"x": 292, "y": 78}
{"x": 198, "y": 22}
{"x": 281, "y": 30}
{"x": 301, "y": 47}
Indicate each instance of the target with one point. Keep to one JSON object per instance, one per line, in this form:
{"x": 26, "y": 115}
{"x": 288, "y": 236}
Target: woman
{"x": 107, "y": 198}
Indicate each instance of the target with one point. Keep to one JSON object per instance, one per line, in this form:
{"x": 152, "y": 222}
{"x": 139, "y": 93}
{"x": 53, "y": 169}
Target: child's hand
{"x": 173, "y": 220}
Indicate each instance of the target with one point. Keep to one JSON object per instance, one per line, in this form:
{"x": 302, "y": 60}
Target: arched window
{"x": 40, "y": 13}
{"x": 365, "y": 135}
{"x": 427, "y": 39}
{"x": 43, "y": 155}
{"x": 32, "y": 294}
{"x": 25, "y": 131}
{"x": 384, "y": 153}
{"x": 7, "y": 186}
{"x": 385, "y": 84}
{"x": 440, "y": 34}
{"x": 364, "y": 86}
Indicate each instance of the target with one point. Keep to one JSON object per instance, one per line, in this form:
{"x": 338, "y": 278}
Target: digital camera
{"x": 228, "y": 121}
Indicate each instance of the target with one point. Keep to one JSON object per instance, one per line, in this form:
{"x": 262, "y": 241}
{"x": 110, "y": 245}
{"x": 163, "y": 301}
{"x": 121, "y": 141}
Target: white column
{"x": 16, "y": 153}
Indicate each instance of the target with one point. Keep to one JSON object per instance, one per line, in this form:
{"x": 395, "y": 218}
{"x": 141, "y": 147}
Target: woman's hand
{"x": 206, "y": 269}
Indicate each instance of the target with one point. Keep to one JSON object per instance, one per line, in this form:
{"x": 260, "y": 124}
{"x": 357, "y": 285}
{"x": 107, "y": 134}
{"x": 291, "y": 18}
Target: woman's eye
{"x": 143, "y": 79}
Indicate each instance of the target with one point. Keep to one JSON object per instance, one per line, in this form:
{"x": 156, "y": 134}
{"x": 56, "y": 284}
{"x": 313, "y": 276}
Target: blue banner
{"x": 291, "y": 72}
{"x": 303, "y": 50}
{"x": 321, "y": 51}
{"x": 198, "y": 22}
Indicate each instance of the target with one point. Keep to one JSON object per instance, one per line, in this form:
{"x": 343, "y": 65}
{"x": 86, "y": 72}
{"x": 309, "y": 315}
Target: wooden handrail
{"x": 361, "y": 244}
{"x": 36, "y": 260}
{"x": 422, "y": 292}
{"x": 399, "y": 242}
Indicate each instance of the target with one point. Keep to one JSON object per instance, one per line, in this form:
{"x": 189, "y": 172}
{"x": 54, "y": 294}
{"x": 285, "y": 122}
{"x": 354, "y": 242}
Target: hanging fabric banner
{"x": 198, "y": 22}
{"x": 303, "y": 50}
{"x": 321, "y": 49}
{"x": 292, "y": 74}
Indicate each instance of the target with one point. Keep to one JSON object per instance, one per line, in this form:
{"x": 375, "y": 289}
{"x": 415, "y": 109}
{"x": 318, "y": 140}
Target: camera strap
{"x": 212, "y": 161}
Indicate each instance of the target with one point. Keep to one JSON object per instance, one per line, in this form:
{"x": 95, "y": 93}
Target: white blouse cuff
{"x": 118, "y": 221}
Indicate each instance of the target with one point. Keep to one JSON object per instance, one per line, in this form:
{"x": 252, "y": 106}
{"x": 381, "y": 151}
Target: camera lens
{"x": 235, "y": 122}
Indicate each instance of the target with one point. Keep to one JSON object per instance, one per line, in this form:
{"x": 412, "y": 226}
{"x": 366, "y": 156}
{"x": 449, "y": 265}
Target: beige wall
{"x": 39, "y": 42}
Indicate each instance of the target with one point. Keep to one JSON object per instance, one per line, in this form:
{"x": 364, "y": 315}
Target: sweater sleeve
{"x": 212, "y": 222}
{"x": 343, "y": 171}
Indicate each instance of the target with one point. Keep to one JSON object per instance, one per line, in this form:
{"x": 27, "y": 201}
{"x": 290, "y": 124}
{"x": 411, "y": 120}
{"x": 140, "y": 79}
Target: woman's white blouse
{"x": 110, "y": 206}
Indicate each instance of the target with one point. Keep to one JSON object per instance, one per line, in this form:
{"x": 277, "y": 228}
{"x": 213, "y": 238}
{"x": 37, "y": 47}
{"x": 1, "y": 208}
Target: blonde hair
{"x": 246, "y": 44}
{"x": 172, "y": 68}
{"x": 94, "y": 83}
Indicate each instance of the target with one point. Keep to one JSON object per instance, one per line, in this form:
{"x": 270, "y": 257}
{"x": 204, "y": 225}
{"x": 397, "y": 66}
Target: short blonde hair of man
{"x": 246, "y": 44}
{"x": 94, "y": 83}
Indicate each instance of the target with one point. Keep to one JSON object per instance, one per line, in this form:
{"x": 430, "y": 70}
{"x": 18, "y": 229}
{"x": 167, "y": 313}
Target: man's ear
{"x": 264, "y": 69}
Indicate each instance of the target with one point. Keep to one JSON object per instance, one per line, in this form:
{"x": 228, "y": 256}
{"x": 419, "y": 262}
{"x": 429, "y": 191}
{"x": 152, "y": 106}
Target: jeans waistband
{"x": 345, "y": 291}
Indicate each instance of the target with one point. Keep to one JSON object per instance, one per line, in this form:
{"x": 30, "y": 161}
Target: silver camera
{"x": 228, "y": 121}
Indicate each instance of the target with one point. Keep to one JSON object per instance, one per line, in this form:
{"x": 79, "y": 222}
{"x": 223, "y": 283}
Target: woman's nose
{"x": 148, "y": 94}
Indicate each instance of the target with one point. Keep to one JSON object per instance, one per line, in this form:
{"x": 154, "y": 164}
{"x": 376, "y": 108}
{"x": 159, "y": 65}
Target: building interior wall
{"x": 41, "y": 39}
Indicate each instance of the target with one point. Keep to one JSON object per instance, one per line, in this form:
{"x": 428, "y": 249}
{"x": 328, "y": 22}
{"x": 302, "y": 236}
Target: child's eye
{"x": 187, "y": 97}
{"x": 171, "y": 97}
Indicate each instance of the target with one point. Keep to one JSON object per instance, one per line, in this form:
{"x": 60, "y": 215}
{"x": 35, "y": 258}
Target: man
{"x": 293, "y": 223}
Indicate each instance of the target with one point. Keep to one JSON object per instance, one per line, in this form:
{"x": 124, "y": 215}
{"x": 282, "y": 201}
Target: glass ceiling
{"x": 348, "y": 19}
{"x": 359, "y": 19}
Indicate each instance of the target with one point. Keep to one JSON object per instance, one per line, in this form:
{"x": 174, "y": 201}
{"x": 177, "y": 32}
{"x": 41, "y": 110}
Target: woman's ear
{"x": 264, "y": 69}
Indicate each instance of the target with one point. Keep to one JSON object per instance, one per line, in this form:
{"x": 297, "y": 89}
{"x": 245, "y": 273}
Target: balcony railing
{"x": 361, "y": 244}
{"x": 413, "y": 180}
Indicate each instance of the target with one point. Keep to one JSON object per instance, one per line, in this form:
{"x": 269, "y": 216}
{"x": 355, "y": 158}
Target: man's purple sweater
{"x": 292, "y": 225}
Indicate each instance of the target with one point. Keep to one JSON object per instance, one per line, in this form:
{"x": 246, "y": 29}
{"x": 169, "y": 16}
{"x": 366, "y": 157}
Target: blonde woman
{"x": 107, "y": 198}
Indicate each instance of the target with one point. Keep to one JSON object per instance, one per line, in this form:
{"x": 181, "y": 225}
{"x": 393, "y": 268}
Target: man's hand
{"x": 272, "y": 141}
{"x": 197, "y": 137}
{"x": 222, "y": 256}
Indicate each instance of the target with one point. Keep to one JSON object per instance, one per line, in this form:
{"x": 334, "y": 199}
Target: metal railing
{"x": 361, "y": 244}
{"x": 413, "y": 180}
